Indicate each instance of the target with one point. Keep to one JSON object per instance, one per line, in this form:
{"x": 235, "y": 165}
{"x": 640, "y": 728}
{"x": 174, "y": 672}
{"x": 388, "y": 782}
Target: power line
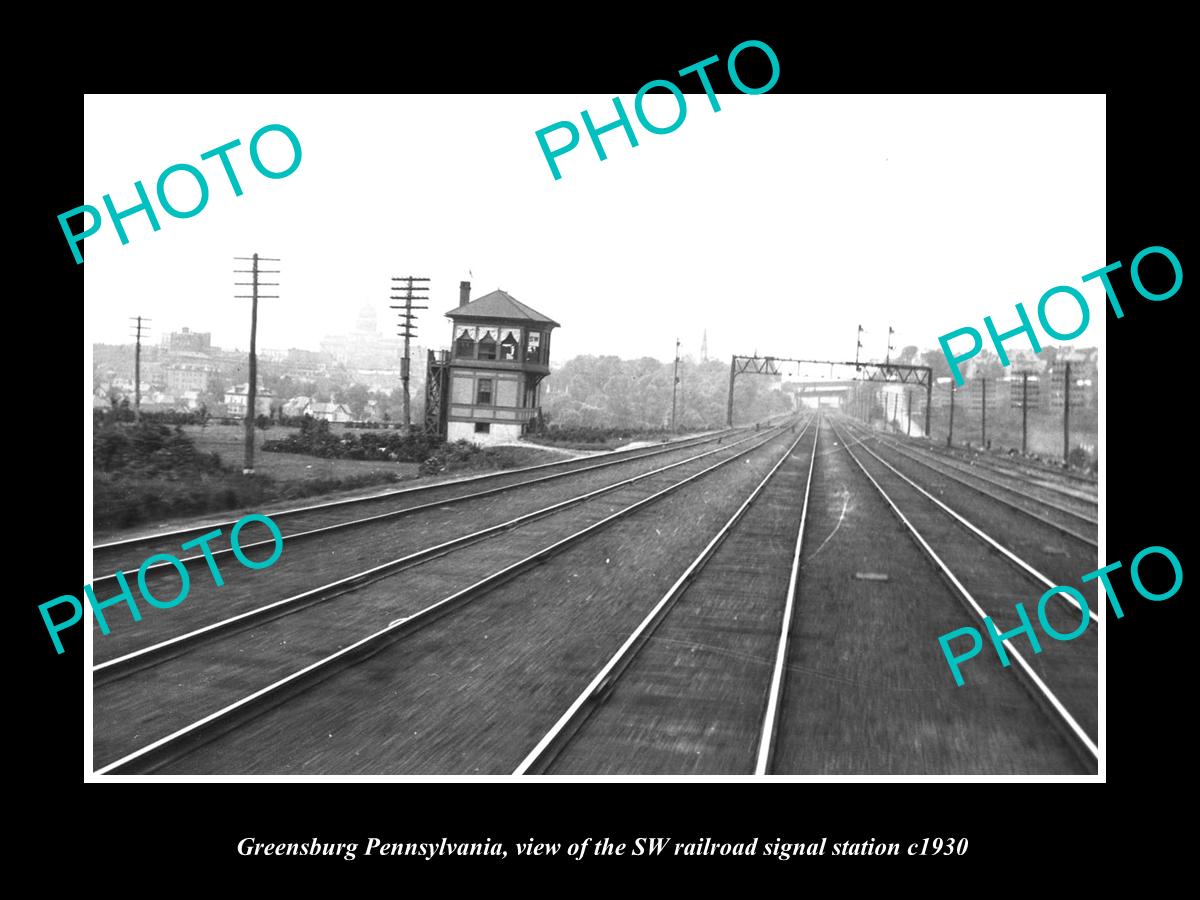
{"x": 675, "y": 385}
{"x": 137, "y": 366}
{"x": 252, "y": 389}
{"x": 408, "y": 330}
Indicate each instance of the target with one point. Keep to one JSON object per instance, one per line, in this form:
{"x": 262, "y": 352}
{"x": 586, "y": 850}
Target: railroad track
{"x": 1063, "y": 680}
{"x": 700, "y": 684}
{"x": 340, "y": 554}
{"x": 1017, "y": 464}
{"x": 1002, "y": 548}
{"x": 303, "y": 680}
{"x": 639, "y": 709}
{"x": 1073, "y": 523}
{"x": 1084, "y": 503}
{"x": 323, "y": 518}
{"x": 128, "y": 663}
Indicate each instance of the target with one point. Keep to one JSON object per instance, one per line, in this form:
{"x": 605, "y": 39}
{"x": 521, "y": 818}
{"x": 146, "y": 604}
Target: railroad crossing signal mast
{"x": 137, "y": 365}
{"x": 252, "y": 387}
{"x": 922, "y": 376}
{"x": 408, "y": 329}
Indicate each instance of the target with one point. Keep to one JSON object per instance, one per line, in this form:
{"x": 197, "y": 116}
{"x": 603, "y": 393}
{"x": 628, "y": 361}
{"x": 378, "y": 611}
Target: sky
{"x": 778, "y": 224}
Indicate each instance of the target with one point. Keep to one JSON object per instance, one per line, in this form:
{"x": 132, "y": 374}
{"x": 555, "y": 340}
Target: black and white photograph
{"x": 562, "y": 441}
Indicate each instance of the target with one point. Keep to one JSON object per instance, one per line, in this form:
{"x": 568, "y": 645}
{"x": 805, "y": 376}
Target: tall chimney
{"x": 464, "y": 293}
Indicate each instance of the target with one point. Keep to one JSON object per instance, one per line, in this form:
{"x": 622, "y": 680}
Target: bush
{"x": 1079, "y": 458}
{"x": 118, "y": 414}
{"x": 315, "y": 439}
{"x": 150, "y": 449}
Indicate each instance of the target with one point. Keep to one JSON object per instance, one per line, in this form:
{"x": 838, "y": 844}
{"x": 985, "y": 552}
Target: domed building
{"x": 368, "y": 320}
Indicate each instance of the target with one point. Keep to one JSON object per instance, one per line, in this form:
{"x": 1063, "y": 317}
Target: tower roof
{"x": 500, "y": 305}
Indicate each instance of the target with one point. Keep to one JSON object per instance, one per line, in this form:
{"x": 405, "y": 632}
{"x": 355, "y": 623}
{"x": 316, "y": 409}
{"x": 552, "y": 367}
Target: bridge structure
{"x": 888, "y": 372}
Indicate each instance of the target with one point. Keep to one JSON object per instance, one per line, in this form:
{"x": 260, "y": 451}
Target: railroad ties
{"x": 752, "y": 601}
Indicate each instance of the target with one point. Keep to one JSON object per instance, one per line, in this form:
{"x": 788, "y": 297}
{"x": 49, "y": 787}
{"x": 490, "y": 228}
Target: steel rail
{"x": 1030, "y": 513}
{"x": 1019, "y": 465}
{"x": 544, "y": 752}
{"x": 421, "y": 488}
{"x": 183, "y": 740}
{"x": 988, "y": 539}
{"x": 770, "y": 726}
{"x": 1080, "y": 736}
{"x": 923, "y": 457}
{"x": 129, "y": 663}
{"x": 435, "y": 504}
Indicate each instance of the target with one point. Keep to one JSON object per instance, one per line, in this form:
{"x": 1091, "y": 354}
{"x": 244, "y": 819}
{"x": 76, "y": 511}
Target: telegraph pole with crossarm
{"x": 408, "y": 330}
{"x": 252, "y": 388}
{"x": 139, "y": 327}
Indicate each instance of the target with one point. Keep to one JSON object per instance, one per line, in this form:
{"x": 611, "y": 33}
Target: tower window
{"x": 483, "y": 392}
{"x": 508, "y": 347}
{"x": 533, "y": 347}
{"x": 464, "y": 347}
{"x": 487, "y": 346}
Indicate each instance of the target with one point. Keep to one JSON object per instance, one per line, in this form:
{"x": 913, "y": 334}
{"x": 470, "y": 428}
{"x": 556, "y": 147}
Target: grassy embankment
{"x": 154, "y": 472}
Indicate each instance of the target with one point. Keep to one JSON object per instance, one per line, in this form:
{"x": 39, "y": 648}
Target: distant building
{"x": 306, "y": 406}
{"x": 366, "y": 349}
{"x": 297, "y": 406}
{"x": 188, "y": 341}
{"x": 188, "y": 400}
{"x": 237, "y": 399}
{"x": 486, "y": 389}
{"x": 305, "y": 363}
{"x": 330, "y": 412}
{"x": 183, "y": 377}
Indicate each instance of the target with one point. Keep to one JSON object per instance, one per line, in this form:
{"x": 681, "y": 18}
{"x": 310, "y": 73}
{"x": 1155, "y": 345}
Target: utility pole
{"x": 675, "y": 386}
{"x": 729, "y": 405}
{"x": 1024, "y": 413}
{"x": 908, "y": 418}
{"x": 407, "y": 331}
{"x": 983, "y": 383}
{"x": 137, "y": 367}
{"x": 252, "y": 387}
{"x": 928, "y": 405}
{"x": 888, "y": 357}
{"x": 1067, "y": 416}
{"x": 858, "y": 349}
{"x": 704, "y": 347}
{"x": 950, "y": 435}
